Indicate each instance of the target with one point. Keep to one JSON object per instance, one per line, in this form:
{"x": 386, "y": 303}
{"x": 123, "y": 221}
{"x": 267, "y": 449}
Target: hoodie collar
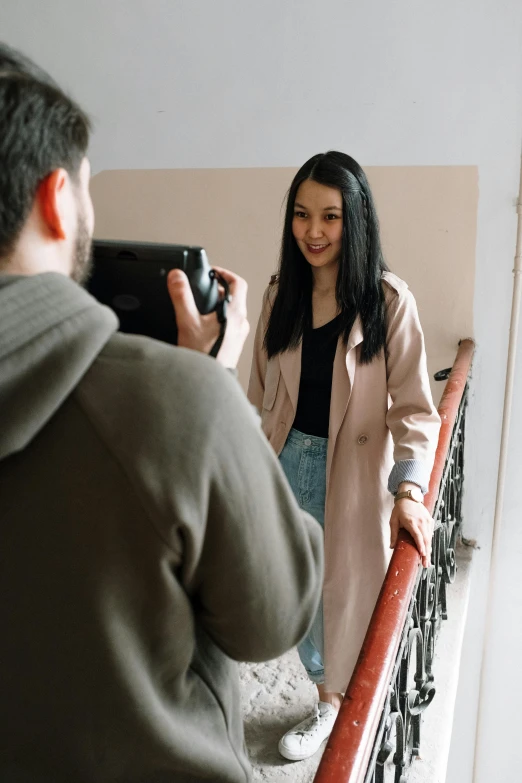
{"x": 51, "y": 331}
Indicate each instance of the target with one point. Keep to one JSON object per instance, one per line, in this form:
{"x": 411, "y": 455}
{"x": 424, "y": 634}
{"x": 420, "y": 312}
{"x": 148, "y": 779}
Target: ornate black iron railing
{"x": 412, "y": 689}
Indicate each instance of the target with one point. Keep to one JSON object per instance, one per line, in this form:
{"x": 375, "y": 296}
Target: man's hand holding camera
{"x": 200, "y": 332}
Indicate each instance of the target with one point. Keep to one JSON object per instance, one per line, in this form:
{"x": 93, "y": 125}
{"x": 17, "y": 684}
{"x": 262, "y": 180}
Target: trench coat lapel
{"x": 290, "y": 363}
{"x": 345, "y": 363}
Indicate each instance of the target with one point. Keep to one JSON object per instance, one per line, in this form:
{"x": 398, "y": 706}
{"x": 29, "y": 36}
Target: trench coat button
{"x": 362, "y": 439}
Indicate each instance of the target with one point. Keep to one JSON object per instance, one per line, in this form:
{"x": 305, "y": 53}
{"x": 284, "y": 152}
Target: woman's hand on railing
{"x": 417, "y": 520}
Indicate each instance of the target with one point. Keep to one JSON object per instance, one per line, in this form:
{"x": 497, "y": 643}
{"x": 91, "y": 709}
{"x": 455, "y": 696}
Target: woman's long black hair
{"x": 359, "y": 287}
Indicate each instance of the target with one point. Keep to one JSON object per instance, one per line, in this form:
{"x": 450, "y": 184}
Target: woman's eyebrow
{"x": 325, "y": 209}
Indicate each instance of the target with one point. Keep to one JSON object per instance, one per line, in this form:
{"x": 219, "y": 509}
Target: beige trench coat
{"x": 381, "y": 414}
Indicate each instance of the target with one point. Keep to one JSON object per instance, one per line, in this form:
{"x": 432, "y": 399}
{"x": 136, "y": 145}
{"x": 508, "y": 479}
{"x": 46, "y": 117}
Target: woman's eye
{"x": 300, "y": 214}
{"x": 332, "y": 217}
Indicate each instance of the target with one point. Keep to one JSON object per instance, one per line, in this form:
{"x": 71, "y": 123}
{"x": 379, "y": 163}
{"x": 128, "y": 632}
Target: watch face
{"x": 417, "y": 495}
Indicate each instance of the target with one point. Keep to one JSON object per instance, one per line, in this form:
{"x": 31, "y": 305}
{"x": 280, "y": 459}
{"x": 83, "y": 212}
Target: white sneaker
{"x": 305, "y": 739}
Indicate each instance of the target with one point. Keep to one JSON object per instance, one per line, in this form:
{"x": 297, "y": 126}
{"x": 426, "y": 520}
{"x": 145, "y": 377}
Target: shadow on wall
{"x": 428, "y": 219}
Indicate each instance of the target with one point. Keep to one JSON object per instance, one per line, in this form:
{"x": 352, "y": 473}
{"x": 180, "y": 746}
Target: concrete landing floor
{"x": 277, "y": 695}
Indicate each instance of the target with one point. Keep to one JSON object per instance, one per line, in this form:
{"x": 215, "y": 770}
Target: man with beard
{"x": 148, "y": 538}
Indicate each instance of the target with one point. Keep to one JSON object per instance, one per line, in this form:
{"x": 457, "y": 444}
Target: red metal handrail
{"x": 347, "y": 754}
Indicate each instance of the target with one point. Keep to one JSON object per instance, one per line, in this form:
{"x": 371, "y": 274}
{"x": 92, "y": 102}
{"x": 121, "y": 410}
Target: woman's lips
{"x": 316, "y": 249}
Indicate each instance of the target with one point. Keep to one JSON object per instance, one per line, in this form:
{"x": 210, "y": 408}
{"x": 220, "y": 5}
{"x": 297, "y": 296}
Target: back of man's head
{"x": 14, "y": 61}
{"x": 41, "y": 130}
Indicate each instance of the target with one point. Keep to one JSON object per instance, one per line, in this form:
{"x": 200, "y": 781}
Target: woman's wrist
{"x": 407, "y": 492}
{"x": 404, "y": 486}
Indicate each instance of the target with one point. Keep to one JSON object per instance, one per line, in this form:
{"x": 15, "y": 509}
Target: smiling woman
{"x": 339, "y": 375}
{"x": 331, "y": 252}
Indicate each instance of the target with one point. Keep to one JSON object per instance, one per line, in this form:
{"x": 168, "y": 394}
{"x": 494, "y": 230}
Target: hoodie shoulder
{"x": 157, "y": 390}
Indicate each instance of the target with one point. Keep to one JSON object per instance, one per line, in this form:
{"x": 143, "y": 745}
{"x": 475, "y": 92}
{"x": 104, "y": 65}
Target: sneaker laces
{"x": 313, "y": 723}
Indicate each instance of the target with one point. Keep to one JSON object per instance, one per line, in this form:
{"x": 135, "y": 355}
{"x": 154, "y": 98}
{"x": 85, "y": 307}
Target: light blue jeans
{"x": 304, "y": 462}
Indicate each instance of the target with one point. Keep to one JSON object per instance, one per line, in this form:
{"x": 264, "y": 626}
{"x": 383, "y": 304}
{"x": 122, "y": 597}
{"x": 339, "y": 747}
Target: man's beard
{"x": 82, "y": 261}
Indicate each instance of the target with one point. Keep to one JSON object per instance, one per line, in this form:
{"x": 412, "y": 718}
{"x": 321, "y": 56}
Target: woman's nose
{"x": 315, "y": 230}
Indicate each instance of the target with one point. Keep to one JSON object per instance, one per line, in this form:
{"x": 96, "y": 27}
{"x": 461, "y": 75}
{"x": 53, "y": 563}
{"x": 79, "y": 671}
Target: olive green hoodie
{"x": 148, "y": 539}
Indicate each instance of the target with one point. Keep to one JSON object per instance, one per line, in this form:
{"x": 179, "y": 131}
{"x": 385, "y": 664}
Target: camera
{"x": 131, "y": 279}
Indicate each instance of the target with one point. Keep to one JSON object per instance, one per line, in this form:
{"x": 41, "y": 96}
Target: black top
{"x": 315, "y": 388}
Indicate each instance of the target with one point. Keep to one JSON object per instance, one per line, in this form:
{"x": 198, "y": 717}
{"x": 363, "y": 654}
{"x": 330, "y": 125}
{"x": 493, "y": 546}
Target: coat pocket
{"x": 273, "y": 373}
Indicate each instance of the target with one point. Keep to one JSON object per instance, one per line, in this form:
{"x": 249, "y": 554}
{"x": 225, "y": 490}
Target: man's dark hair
{"x": 41, "y": 129}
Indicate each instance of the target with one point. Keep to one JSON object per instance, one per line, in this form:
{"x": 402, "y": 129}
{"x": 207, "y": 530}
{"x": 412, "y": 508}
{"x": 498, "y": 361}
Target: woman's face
{"x": 318, "y": 223}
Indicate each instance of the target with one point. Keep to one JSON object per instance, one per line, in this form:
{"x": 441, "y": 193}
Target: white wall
{"x": 208, "y": 84}
{"x": 174, "y": 83}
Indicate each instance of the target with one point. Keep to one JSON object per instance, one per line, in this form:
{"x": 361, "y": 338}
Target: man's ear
{"x": 50, "y": 197}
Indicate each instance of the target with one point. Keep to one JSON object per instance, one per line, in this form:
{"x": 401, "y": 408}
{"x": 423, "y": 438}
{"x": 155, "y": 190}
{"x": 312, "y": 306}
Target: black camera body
{"x": 131, "y": 279}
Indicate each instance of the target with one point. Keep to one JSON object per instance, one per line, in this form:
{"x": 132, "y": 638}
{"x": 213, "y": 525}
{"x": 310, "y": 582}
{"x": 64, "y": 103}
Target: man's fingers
{"x": 182, "y": 298}
{"x": 226, "y": 274}
{"x": 235, "y": 283}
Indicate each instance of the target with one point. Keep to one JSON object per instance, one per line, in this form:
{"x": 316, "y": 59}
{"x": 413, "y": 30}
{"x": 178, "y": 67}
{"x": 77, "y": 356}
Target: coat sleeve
{"x": 412, "y": 418}
{"x": 258, "y": 578}
{"x": 256, "y": 385}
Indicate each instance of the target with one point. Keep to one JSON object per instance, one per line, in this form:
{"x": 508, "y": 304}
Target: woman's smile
{"x": 317, "y": 248}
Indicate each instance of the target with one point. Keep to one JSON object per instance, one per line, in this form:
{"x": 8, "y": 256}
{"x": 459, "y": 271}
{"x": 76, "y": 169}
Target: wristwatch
{"x": 412, "y": 494}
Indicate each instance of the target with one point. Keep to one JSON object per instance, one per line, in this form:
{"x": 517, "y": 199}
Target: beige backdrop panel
{"x": 428, "y": 221}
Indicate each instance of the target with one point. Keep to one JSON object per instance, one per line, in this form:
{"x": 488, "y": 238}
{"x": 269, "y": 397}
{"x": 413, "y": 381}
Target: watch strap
{"x": 407, "y": 494}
